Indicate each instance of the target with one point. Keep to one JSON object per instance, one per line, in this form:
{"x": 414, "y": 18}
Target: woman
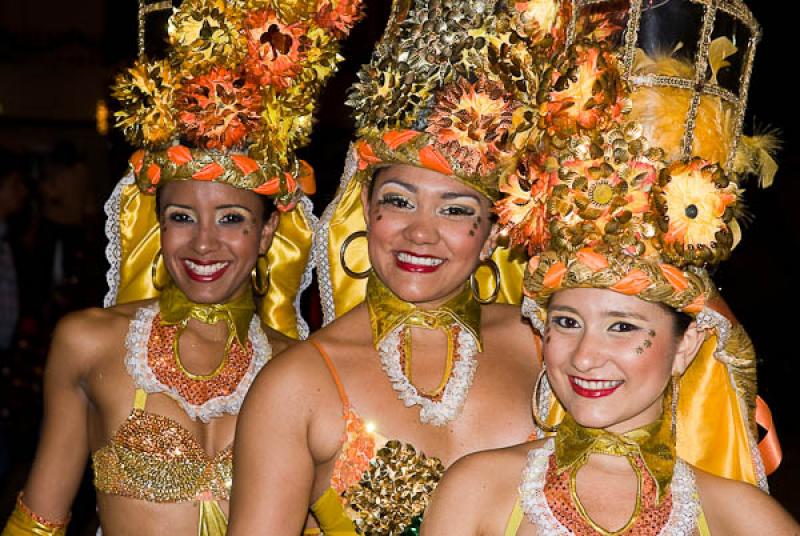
{"x": 359, "y": 423}
{"x": 152, "y": 388}
{"x": 622, "y": 225}
{"x": 615, "y": 440}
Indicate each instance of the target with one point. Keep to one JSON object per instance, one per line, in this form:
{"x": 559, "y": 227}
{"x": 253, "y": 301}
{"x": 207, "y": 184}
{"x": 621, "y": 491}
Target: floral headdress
{"x": 231, "y": 101}
{"x": 633, "y": 183}
{"x": 451, "y": 87}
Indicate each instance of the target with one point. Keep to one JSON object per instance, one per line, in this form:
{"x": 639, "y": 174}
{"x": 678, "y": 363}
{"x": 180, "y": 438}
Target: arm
{"x": 737, "y": 508}
{"x": 274, "y": 466}
{"x": 63, "y": 448}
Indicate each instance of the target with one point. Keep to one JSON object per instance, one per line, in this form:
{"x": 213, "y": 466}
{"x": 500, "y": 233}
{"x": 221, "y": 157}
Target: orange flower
{"x": 471, "y": 122}
{"x": 339, "y": 16}
{"x": 219, "y": 109}
{"x": 275, "y": 50}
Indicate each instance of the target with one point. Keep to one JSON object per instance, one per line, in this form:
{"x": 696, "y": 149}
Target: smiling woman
{"x": 203, "y": 278}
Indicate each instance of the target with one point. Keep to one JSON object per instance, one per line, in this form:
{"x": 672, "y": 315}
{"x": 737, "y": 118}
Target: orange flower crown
{"x": 450, "y": 87}
{"x": 610, "y": 193}
{"x": 233, "y": 99}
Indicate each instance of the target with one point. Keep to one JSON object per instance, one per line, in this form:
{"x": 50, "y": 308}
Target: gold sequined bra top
{"x": 378, "y": 486}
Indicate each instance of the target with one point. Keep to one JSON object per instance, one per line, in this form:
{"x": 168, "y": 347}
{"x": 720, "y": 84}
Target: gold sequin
{"x": 155, "y": 459}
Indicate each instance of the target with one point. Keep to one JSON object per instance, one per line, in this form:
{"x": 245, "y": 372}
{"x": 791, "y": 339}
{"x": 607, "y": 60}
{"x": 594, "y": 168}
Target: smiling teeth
{"x": 205, "y": 269}
{"x": 596, "y": 385}
{"x": 424, "y": 261}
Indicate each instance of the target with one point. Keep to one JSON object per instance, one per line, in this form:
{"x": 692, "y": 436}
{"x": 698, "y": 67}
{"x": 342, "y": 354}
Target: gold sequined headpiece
{"x": 233, "y": 99}
{"x": 449, "y": 86}
{"x": 632, "y": 183}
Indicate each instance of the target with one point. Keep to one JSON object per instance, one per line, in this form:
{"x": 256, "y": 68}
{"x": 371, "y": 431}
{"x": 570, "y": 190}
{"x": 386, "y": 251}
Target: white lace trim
{"x": 322, "y": 243}
{"x": 682, "y": 520}
{"x": 307, "y": 206}
{"x": 144, "y": 378}
{"x": 114, "y": 247}
{"x": 437, "y": 413}
{"x": 531, "y": 310}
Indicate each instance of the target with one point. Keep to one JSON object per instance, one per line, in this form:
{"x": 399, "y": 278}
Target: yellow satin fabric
{"x": 22, "y": 524}
{"x": 212, "y": 519}
{"x": 141, "y": 240}
{"x": 712, "y": 432}
{"x": 331, "y": 516}
{"x": 348, "y": 217}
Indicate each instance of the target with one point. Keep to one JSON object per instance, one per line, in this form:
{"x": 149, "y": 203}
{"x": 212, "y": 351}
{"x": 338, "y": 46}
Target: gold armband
{"x": 25, "y": 522}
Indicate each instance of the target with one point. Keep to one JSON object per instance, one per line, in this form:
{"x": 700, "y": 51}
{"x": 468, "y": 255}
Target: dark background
{"x": 57, "y": 60}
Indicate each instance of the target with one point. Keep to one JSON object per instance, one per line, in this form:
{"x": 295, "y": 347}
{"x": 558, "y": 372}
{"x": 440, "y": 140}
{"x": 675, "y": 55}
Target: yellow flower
{"x": 695, "y": 205}
{"x": 146, "y": 92}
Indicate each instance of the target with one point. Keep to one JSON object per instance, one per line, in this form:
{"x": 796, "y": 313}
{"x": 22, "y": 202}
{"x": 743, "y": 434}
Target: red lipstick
{"x": 591, "y": 393}
{"x": 410, "y": 262}
{"x": 204, "y": 278}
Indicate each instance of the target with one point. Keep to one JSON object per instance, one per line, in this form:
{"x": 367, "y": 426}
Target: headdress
{"x": 633, "y": 183}
{"x": 231, "y": 102}
{"x": 446, "y": 90}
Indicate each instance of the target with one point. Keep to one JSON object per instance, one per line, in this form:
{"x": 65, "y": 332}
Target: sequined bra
{"x": 154, "y": 458}
{"x": 378, "y": 486}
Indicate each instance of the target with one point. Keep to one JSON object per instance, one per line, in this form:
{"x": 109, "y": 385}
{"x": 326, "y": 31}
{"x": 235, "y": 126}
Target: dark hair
{"x": 266, "y": 203}
{"x": 680, "y": 321}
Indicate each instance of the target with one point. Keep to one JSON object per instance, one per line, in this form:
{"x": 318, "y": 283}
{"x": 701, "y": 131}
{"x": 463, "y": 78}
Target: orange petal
{"x": 179, "y": 154}
{"x": 396, "y": 138}
{"x": 554, "y": 275}
{"x": 306, "y": 178}
{"x": 137, "y": 161}
{"x": 208, "y": 172}
{"x": 366, "y": 155}
{"x": 592, "y": 260}
{"x": 434, "y": 160}
{"x": 632, "y": 284}
{"x": 697, "y": 305}
{"x": 271, "y": 187}
{"x": 675, "y": 277}
{"x": 245, "y": 164}
{"x": 154, "y": 174}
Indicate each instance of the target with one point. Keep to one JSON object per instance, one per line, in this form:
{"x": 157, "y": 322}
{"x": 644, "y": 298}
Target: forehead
{"x": 605, "y": 302}
{"x": 207, "y": 194}
{"x": 423, "y": 180}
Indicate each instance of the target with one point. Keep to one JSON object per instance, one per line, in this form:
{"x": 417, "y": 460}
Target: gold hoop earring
{"x": 543, "y": 426}
{"x": 154, "y": 272}
{"x": 258, "y": 288}
{"x": 476, "y": 291}
{"x": 676, "y": 391}
{"x": 346, "y": 244}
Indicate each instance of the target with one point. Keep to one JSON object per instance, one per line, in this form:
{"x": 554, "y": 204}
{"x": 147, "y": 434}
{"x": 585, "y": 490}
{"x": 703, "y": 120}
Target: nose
{"x": 589, "y": 353}
{"x": 422, "y": 229}
{"x": 206, "y": 237}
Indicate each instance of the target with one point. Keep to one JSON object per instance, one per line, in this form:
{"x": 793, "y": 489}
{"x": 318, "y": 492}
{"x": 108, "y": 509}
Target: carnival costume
{"x": 444, "y": 91}
{"x": 230, "y": 102}
{"x": 633, "y": 184}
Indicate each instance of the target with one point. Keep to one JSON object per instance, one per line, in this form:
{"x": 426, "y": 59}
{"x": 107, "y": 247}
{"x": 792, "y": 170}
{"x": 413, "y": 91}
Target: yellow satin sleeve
{"x": 331, "y": 515}
{"x": 347, "y": 292}
{"x": 712, "y": 430}
{"x": 140, "y": 240}
{"x": 23, "y": 522}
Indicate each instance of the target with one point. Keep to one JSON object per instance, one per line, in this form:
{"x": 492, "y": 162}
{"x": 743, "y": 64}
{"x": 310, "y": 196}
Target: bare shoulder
{"x": 492, "y": 469}
{"x": 508, "y": 320}
{"x": 734, "y": 507}
{"x": 277, "y": 340}
{"x": 84, "y": 338}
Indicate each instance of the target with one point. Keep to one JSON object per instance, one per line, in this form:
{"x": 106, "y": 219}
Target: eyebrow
{"x": 456, "y": 195}
{"x": 176, "y": 205}
{"x": 410, "y": 187}
{"x": 616, "y": 314}
{"x": 447, "y": 195}
{"x": 223, "y": 207}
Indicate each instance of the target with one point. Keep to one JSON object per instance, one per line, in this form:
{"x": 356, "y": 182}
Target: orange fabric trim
{"x": 591, "y": 259}
{"x": 770, "y": 446}
{"x": 675, "y": 277}
{"x": 209, "y": 172}
{"x": 434, "y": 160}
{"x": 334, "y": 375}
{"x": 554, "y": 275}
{"x": 179, "y": 155}
{"x": 271, "y": 187}
{"x": 632, "y": 284}
{"x": 245, "y": 164}
{"x": 396, "y": 138}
